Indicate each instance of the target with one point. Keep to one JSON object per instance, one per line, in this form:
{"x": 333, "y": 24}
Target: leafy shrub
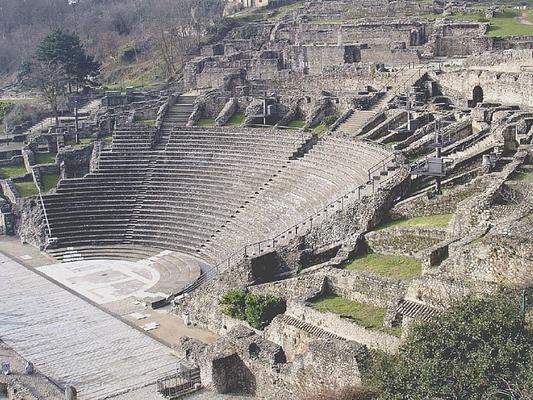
{"x": 330, "y": 119}
{"x": 256, "y": 309}
{"x": 235, "y": 303}
{"x": 478, "y": 349}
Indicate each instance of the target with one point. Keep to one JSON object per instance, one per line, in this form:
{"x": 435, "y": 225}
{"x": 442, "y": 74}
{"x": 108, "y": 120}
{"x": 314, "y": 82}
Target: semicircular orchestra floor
{"x": 109, "y": 274}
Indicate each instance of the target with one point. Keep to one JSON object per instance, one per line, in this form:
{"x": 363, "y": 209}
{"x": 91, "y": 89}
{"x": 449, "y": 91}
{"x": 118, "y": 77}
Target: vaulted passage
{"x": 477, "y": 95}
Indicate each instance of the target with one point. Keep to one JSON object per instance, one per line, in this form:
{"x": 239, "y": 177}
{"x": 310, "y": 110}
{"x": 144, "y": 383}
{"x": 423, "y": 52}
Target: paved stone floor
{"x": 74, "y": 342}
{"x": 106, "y": 281}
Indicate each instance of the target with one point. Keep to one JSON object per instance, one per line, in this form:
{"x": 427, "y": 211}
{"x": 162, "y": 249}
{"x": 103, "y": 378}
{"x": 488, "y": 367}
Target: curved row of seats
{"x": 206, "y": 192}
{"x": 333, "y": 167}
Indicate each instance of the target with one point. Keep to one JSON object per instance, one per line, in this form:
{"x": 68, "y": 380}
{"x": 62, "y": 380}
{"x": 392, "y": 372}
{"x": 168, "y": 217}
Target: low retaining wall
{"x": 406, "y": 241}
{"x": 365, "y": 287}
{"x": 343, "y": 327}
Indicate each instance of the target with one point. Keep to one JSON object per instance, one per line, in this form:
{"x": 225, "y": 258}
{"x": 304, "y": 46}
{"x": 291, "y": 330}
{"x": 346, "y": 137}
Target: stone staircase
{"x": 177, "y": 115}
{"x": 476, "y": 149}
{"x": 416, "y": 310}
{"x": 308, "y": 328}
{"x": 356, "y": 121}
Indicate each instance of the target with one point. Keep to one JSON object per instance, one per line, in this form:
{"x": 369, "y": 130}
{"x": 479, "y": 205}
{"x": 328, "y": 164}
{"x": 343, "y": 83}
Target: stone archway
{"x": 477, "y": 95}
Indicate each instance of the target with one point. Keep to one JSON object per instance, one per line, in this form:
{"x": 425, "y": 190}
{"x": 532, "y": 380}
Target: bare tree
{"x": 50, "y": 79}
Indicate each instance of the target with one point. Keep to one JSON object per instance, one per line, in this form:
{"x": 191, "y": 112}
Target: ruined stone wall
{"x": 451, "y": 39}
{"x": 505, "y": 58}
{"x": 343, "y": 327}
{"x": 365, "y": 287}
{"x": 246, "y": 363}
{"x": 75, "y": 161}
{"x": 446, "y": 203}
{"x": 498, "y": 87}
{"x": 356, "y": 216}
{"x": 301, "y": 287}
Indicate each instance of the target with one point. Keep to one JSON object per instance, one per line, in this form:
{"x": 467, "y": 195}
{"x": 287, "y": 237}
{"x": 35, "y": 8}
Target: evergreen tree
{"x": 65, "y": 50}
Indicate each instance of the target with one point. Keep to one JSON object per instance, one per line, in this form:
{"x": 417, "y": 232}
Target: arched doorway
{"x": 477, "y": 95}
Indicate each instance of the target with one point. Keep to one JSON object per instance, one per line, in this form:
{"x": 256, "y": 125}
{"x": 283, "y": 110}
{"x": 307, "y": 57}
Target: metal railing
{"x": 42, "y": 203}
{"x": 181, "y": 382}
{"x": 258, "y": 247}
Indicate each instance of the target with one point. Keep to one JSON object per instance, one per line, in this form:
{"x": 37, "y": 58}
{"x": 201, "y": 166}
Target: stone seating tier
{"x": 205, "y": 192}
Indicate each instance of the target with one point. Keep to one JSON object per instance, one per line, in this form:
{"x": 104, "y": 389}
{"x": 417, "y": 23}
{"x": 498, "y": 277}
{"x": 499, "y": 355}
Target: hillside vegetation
{"x": 135, "y": 40}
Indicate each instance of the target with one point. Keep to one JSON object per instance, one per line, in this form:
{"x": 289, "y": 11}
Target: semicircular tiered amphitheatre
{"x": 205, "y": 193}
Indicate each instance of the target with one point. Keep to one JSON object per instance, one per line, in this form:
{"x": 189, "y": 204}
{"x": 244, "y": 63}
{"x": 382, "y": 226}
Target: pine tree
{"x": 66, "y": 50}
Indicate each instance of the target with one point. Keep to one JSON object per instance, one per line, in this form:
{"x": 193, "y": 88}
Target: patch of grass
{"x": 367, "y": 315}
{"x": 251, "y": 14}
{"x": 26, "y": 189}
{"x": 320, "y": 128}
{"x": 107, "y": 138}
{"x": 86, "y": 140}
{"x": 19, "y": 100}
{"x": 12, "y": 171}
{"x": 509, "y": 24}
{"x": 49, "y": 181}
{"x": 296, "y": 124}
{"x": 45, "y": 158}
{"x": 137, "y": 74}
{"x": 397, "y": 267}
{"x": 521, "y": 176}
{"x": 236, "y": 119}
{"x": 432, "y": 221}
{"x": 206, "y": 122}
{"x": 284, "y": 10}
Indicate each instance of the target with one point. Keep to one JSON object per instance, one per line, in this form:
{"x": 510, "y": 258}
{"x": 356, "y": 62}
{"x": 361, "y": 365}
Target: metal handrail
{"x": 42, "y": 205}
{"x": 243, "y": 251}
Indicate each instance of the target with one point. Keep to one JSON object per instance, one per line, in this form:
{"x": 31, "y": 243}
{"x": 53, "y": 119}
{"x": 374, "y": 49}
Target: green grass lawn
{"x": 507, "y": 23}
{"x": 511, "y": 23}
{"x": 45, "y": 158}
{"x": 367, "y": 315}
{"x": 107, "y": 138}
{"x": 397, "y": 267}
{"x": 12, "y": 171}
{"x": 49, "y": 181}
{"x": 236, "y": 119}
{"x": 206, "y": 122}
{"x": 296, "y": 124}
{"x": 26, "y": 189}
{"x": 284, "y": 10}
{"x": 430, "y": 221}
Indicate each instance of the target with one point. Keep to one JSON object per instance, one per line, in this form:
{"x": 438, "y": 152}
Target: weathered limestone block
{"x": 227, "y": 112}
{"x": 31, "y": 226}
{"x": 321, "y": 108}
{"x": 329, "y": 364}
{"x": 76, "y": 162}
{"x": 254, "y": 108}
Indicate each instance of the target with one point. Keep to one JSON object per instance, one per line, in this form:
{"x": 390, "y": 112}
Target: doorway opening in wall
{"x": 477, "y": 95}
